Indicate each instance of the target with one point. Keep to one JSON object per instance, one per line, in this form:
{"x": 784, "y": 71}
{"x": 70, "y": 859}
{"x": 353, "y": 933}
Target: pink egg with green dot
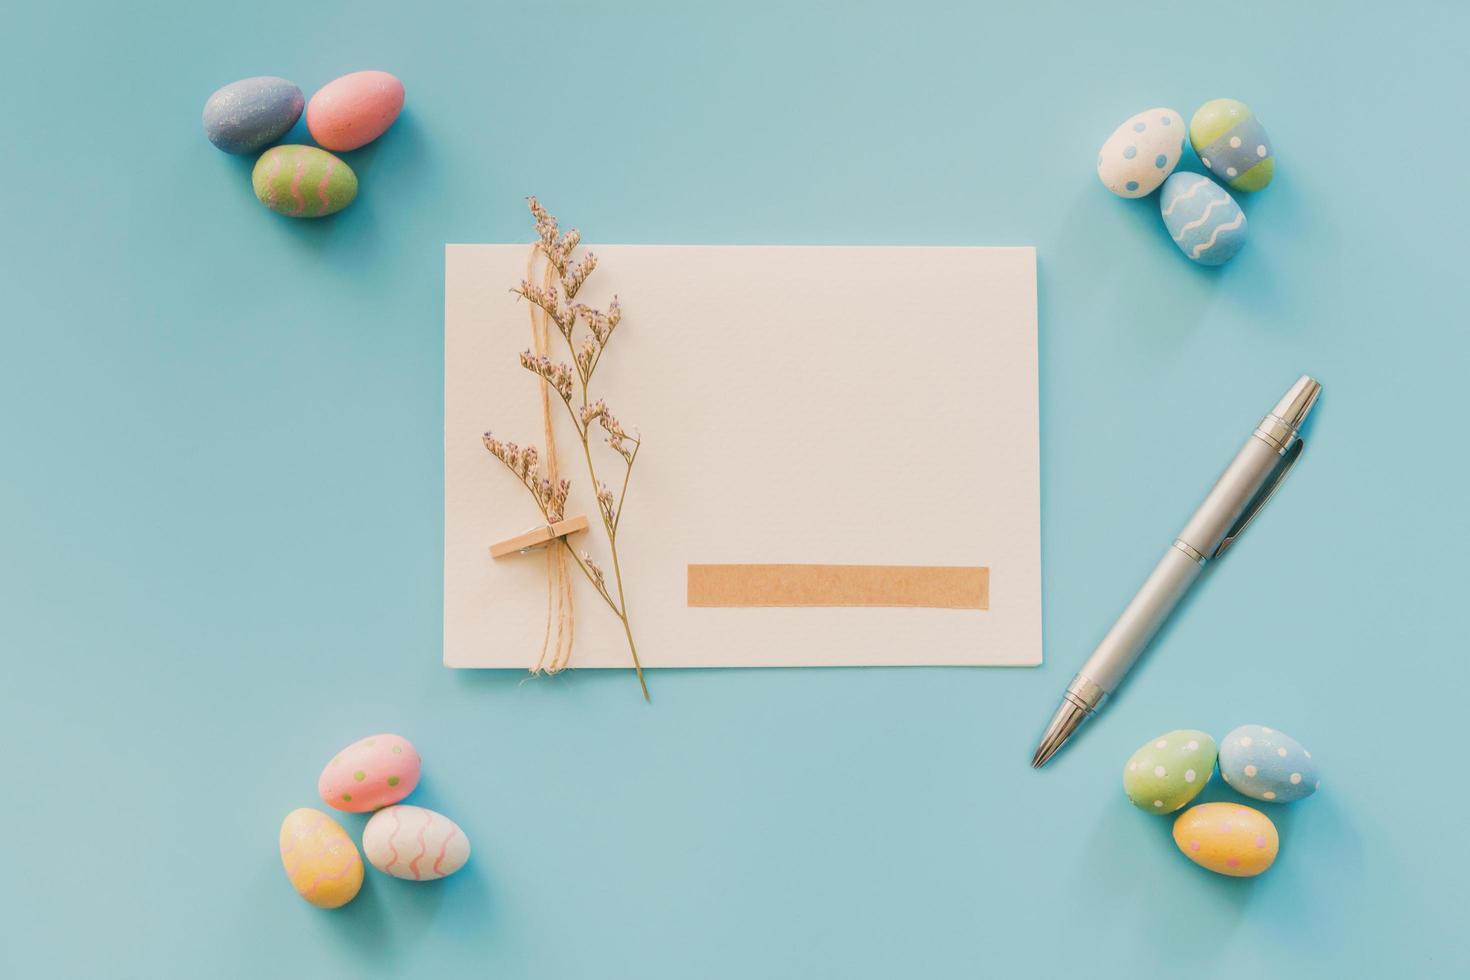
{"x": 370, "y": 774}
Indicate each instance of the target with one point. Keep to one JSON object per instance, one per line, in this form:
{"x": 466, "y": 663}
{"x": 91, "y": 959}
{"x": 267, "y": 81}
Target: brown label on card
{"x": 922, "y": 586}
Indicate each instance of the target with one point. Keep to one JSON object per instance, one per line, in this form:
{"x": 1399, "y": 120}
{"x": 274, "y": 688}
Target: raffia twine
{"x": 556, "y": 645}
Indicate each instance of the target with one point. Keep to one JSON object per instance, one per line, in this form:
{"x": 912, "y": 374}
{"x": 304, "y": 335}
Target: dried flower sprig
{"x": 524, "y": 463}
{"x": 554, "y": 373}
{"x": 571, "y": 383}
{"x": 623, "y": 444}
{"x": 606, "y": 504}
{"x": 601, "y": 324}
{"x": 557, "y": 248}
{"x": 550, "y": 301}
{"x": 587, "y": 356}
{"x": 572, "y": 279}
{"x": 594, "y": 571}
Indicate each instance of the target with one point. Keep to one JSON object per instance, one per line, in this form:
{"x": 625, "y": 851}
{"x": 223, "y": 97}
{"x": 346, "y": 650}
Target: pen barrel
{"x": 1161, "y": 592}
{"x": 1231, "y": 494}
{"x": 1182, "y": 563}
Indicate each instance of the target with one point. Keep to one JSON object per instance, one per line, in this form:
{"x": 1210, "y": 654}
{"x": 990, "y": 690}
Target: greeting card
{"x": 712, "y": 456}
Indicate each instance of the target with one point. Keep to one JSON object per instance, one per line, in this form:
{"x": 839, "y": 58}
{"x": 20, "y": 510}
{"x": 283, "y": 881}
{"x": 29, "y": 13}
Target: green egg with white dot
{"x": 1168, "y": 771}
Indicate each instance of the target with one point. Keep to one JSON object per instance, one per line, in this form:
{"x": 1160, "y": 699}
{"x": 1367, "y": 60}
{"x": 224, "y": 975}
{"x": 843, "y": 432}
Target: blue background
{"x": 222, "y": 496}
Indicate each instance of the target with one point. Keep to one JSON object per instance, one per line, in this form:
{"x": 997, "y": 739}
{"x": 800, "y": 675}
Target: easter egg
{"x": 1232, "y": 144}
{"x": 370, "y": 773}
{"x": 414, "y": 843}
{"x": 251, "y": 114}
{"x": 1265, "y": 764}
{"x": 1227, "y": 838}
{"x": 1141, "y": 152}
{"x": 320, "y": 859}
{"x": 303, "y": 182}
{"x": 1202, "y": 218}
{"x": 354, "y": 110}
{"x": 1169, "y": 771}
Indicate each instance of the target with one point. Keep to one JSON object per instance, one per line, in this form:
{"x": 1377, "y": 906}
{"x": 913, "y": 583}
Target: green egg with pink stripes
{"x": 1233, "y": 144}
{"x": 303, "y": 181}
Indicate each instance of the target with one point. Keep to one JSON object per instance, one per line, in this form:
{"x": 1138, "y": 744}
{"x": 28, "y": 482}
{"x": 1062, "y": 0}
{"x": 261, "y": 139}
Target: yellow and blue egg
{"x": 1232, "y": 144}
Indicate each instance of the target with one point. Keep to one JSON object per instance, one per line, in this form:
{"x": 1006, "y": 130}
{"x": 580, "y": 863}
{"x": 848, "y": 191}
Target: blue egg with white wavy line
{"x": 1202, "y": 218}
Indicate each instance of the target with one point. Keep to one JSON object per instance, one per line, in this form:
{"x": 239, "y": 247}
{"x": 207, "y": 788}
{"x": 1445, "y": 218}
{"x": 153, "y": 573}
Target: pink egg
{"x": 369, "y": 774}
{"x": 354, "y": 110}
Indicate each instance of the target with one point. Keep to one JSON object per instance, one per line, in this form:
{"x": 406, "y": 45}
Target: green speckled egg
{"x": 303, "y": 181}
{"x": 1169, "y": 771}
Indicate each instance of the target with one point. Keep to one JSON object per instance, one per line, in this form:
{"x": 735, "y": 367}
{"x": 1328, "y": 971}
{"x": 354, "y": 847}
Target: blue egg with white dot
{"x": 1142, "y": 152}
{"x": 1202, "y": 218}
{"x": 1267, "y": 765}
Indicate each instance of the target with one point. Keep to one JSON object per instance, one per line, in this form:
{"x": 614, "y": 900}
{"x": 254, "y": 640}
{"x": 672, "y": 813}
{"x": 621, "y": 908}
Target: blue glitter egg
{"x": 1265, "y": 764}
{"x": 251, "y": 114}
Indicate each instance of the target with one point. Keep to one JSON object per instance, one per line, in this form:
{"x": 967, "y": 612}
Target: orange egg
{"x": 1227, "y": 838}
{"x": 320, "y": 859}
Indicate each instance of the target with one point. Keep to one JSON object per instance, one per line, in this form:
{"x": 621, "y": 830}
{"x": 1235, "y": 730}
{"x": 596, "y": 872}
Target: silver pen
{"x": 1231, "y": 504}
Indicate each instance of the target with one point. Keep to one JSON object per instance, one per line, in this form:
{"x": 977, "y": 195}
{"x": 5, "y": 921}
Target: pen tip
{"x": 1066, "y": 721}
{"x": 1043, "y": 754}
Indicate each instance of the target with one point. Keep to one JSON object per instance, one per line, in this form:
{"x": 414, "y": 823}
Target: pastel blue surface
{"x": 222, "y": 498}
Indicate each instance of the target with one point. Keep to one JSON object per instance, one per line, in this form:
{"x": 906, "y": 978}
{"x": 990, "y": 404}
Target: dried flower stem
{"x": 571, "y": 384}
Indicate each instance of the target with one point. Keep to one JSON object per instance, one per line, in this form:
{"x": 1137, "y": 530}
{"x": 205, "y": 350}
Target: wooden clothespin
{"x": 538, "y": 537}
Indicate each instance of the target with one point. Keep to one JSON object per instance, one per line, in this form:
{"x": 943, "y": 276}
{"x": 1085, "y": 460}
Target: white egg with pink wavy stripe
{"x": 413, "y": 843}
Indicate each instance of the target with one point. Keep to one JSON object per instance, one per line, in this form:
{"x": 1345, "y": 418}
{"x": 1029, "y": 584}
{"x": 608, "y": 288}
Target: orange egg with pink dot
{"x": 1227, "y": 838}
{"x": 369, "y": 774}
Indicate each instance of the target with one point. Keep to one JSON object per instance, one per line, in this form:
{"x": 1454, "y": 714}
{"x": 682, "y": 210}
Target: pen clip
{"x": 1288, "y": 460}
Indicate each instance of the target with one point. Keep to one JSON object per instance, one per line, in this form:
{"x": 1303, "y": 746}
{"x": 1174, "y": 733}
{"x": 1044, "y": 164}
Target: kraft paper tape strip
{"x": 921, "y": 586}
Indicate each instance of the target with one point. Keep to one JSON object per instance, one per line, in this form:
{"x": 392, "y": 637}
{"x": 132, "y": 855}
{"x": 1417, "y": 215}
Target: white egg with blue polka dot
{"x": 1143, "y": 151}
